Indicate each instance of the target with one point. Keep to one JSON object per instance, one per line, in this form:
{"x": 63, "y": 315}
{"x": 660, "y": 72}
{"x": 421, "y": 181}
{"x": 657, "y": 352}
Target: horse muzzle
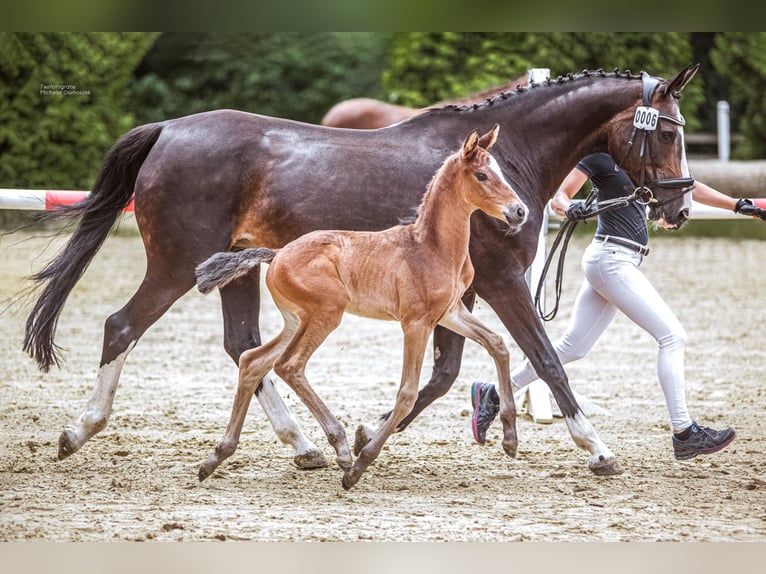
{"x": 668, "y": 201}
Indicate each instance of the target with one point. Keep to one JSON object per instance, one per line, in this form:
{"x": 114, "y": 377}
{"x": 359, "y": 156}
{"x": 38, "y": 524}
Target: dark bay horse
{"x": 228, "y": 180}
{"x": 370, "y": 114}
{"x": 415, "y": 274}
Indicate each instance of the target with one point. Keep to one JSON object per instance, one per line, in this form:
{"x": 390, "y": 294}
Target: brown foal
{"x": 415, "y": 274}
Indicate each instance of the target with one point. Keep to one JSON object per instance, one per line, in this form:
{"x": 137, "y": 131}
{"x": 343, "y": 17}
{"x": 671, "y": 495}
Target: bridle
{"x": 645, "y": 120}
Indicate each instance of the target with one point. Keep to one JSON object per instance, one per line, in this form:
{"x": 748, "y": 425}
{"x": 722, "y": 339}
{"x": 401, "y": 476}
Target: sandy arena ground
{"x": 137, "y": 480}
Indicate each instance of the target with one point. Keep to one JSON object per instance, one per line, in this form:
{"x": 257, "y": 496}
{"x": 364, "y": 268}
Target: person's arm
{"x": 567, "y": 190}
{"x": 705, "y": 194}
{"x": 712, "y": 197}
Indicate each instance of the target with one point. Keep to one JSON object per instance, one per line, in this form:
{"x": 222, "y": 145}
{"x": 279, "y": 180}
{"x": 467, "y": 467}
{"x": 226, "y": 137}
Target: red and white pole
{"x": 42, "y": 199}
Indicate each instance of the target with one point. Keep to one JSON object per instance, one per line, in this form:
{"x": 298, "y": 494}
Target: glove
{"x": 577, "y": 211}
{"x": 746, "y": 207}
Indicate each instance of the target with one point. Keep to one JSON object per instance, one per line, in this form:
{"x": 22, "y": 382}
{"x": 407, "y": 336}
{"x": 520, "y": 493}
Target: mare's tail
{"x": 222, "y": 268}
{"x": 96, "y": 213}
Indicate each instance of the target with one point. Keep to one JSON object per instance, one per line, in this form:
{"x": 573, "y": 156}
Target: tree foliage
{"x": 294, "y": 75}
{"x": 63, "y": 104}
{"x": 426, "y": 67}
{"x": 740, "y": 57}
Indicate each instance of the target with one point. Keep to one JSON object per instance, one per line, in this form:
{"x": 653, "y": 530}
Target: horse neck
{"x": 546, "y": 130}
{"x": 444, "y": 216}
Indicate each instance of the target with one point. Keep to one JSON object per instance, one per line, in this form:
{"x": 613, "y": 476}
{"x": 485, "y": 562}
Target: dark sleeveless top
{"x": 612, "y": 182}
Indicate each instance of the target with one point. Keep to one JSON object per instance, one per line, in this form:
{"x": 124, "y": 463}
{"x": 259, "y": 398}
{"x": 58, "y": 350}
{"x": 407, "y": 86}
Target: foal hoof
{"x": 309, "y": 460}
{"x": 603, "y": 466}
{"x": 67, "y": 444}
{"x": 361, "y": 438}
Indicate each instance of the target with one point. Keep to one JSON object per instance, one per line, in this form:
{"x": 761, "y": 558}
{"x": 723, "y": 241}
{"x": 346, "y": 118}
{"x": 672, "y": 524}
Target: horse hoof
{"x": 202, "y": 474}
{"x": 347, "y": 481}
{"x": 361, "y": 438}
{"x": 310, "y": 460}
{"x": 66, "y": 444}
{"x": 510, "y": 451}
{"x": 605, "y": 466}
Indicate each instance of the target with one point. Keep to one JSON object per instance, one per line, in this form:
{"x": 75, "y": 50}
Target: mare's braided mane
{"x": 585, "y": 74}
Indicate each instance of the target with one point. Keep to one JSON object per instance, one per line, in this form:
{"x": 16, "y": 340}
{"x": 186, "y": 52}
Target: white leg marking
{"x": 281, "y": 419}
{"x": 99, "y": 407}
{"x": 307, "y": 454}
{"x": 586, "y": 438}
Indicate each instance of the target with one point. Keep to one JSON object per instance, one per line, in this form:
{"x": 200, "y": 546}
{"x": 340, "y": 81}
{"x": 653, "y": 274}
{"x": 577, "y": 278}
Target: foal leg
{"x": 460, "y": 320}
{"x": 448, "y": 355}
{"x": 253, "y": 365}
{"x": 415, "y": 342}
{"x": 122, "y": 330}
{"x": 291, "y": 366}
{"x": 240, "y": 301}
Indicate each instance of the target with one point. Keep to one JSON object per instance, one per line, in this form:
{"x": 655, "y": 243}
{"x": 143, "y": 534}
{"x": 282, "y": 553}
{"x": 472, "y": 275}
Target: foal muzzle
{"x": 515, "y": 217}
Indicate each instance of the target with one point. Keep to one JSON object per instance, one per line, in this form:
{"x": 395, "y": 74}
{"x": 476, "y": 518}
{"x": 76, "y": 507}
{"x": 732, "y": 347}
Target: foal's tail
{"x": 96, "y": 213}
{"x": 222, "y": 268}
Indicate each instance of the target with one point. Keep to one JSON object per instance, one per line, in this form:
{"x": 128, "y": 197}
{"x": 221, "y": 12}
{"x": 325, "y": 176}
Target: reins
{"x": 562, "y": 239}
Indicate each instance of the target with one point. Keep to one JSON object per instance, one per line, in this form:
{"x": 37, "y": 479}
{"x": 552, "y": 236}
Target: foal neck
{"x": 444, "y": 215}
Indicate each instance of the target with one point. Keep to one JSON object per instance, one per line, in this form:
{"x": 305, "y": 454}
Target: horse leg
{"x": 240, "y": 302}
{"x": 415, "y": 341}
{"x": 462, "y": 322}
{"x": 291, "y": 367}
{"x": 253, "y": 365}
{"x": 122, "y": 330}
{"x": 508, "y": 295}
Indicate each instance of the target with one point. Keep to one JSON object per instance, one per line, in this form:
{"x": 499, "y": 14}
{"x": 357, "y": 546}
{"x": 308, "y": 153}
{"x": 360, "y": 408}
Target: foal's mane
{"x": 438, "y": 176}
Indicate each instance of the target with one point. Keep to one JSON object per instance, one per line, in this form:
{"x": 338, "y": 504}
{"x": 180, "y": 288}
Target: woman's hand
{"x": 560, "y": 203}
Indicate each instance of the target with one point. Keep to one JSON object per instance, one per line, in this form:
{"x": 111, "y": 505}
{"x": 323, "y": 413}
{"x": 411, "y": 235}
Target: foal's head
{"x": 483, "y": 184}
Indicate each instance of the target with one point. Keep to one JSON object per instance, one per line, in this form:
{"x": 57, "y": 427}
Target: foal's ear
{"x": 678, "y": 83}
{"x": 470, "y": 143}
{"x": 488, "y": 139}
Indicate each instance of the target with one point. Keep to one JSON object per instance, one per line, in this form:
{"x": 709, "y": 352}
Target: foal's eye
{"x": 481, "y": 176}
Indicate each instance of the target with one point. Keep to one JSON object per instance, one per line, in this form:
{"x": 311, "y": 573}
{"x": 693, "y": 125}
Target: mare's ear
{"x": 488, "y": 139}
{"x": 470, "y": 143}
{"x": 678, "y": 83}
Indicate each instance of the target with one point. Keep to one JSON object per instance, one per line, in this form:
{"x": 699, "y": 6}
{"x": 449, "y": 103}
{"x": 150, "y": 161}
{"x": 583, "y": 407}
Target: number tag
{"x": 646, "y": 118}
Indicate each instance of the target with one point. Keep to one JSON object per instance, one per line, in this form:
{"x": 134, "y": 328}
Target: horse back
{"x": 265, "y": 181}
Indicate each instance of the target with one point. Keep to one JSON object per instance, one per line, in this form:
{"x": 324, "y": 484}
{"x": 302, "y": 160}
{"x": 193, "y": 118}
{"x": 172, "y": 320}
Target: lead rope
{"x": 562, "y": 238}
{"x": 565, "y": 232}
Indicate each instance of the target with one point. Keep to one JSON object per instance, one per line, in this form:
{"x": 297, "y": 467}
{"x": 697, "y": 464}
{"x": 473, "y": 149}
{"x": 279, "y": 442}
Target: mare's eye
{"x": 668, "y": 136}
{"x": 481, "y": 176}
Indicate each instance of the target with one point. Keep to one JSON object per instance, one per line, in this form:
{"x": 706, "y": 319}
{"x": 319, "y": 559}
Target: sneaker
{"x": 486, "y": 405}
{"x": 702, "y": 440}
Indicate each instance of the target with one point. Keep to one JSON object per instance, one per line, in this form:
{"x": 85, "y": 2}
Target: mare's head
{"x": 647, "y": 141}
{"x": 483, "y": 184}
